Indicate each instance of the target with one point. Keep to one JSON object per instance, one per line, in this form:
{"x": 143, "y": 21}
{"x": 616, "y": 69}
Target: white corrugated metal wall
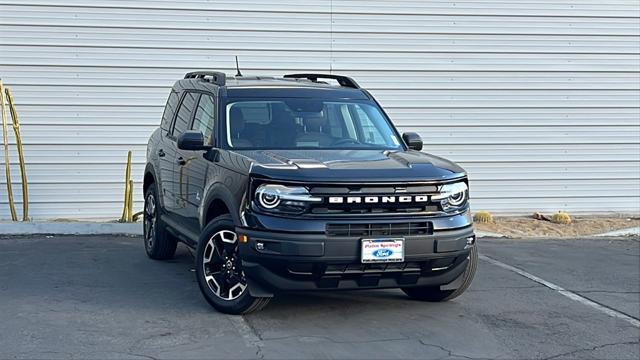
{"x": 539, "y": 100}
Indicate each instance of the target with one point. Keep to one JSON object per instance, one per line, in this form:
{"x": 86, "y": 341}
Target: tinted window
{"x": 370, "y": 129}
{"x": 296, "y": 123}
{"x": 184, "y": 113}
{"x": 205, "y": 117}
{"x": 169, "y": 110}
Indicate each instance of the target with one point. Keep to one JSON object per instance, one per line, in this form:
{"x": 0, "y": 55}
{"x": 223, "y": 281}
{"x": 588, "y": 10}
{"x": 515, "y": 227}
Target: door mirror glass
{"x": 192, "y": 140}
{"x": 413, "y": 140}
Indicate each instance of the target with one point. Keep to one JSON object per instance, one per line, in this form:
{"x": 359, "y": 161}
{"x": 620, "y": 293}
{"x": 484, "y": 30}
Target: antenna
{"x": 238, "y": 67}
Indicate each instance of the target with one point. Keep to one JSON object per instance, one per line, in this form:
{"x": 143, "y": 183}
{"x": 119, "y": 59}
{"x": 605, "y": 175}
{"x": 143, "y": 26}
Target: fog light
{"x": 259, "y": 246}
{"x": 440, "y": 268}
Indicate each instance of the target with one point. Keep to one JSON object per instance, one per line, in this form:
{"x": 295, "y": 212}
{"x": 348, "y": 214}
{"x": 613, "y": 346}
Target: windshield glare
{"x": 307, "y": 124}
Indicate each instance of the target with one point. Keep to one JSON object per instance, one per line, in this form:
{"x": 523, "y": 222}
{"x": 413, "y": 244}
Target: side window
{"x": 205, "y": 118}
{"x": 169, "y": 111}
{"x": 184, "y": 113}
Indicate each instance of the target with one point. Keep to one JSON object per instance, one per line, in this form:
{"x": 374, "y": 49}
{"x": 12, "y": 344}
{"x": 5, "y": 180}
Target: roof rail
{"x": 342, "y": 80}
{"x": 215, "y": 77}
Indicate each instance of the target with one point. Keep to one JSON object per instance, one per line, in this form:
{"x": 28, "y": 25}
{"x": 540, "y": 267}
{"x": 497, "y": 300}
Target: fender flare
{"x": 219, "y": 191}
{"x": 149, "y": 169}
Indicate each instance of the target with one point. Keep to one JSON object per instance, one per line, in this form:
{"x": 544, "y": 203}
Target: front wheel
{"x": 219, "y": 270}
{"x": 434, "y": 294}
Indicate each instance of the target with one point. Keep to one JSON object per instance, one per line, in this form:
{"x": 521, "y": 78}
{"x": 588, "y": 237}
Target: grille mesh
{"x": 379, "y": 229}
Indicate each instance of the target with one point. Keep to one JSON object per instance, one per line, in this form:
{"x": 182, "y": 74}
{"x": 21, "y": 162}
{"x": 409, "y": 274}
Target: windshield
{"x": 294, "y": 123}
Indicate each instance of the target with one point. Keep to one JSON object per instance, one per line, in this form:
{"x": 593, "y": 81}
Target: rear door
{"x": 180, "y": 124}
{"x": 166, "y": 152}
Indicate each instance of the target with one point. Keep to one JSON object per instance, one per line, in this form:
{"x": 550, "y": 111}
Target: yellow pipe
{"x": 5, "y": 138}
{"x": 127, "y": 177}
{"x": 23, "y": 171}
{"x": 127, "y": 189}
{"x": 124, "y": 207}
{"x": 130, "y": 207}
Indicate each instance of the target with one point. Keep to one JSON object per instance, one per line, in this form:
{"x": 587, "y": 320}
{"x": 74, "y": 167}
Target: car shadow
{"x": 289, "y": 301}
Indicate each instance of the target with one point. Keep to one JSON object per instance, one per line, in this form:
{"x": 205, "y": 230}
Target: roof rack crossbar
{"x": 216, "y": 77}
{"x": 342, "y": 80}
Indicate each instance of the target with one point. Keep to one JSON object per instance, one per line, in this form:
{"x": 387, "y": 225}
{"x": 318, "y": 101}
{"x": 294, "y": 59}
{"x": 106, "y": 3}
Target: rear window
{"x": 183, "y": 119}
{"x": 169, "y": 111}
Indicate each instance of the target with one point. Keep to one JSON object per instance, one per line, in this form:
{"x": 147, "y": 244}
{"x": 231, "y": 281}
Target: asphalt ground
{"x": 101, "y": 297}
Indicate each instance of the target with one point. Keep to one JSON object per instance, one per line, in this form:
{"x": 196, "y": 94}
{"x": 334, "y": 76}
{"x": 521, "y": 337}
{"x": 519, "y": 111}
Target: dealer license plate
{"x": 382, "y": 250}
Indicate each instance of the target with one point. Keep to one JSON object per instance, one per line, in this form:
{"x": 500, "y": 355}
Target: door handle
{"x": 181, "y": 161}
{"x": 161, "y": 153}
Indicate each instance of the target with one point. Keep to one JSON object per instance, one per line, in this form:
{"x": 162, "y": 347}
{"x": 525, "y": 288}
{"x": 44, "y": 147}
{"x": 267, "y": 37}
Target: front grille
{"x": 376, "y": 192}
{"x": 380, "y": 229}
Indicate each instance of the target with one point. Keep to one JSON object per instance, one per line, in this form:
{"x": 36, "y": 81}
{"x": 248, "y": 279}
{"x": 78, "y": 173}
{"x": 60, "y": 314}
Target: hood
{"x": 350, "y": 165}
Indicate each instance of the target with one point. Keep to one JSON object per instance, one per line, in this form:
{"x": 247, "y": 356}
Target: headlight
{"x": 452, "y": 195}
{"x": 284, "y": 198}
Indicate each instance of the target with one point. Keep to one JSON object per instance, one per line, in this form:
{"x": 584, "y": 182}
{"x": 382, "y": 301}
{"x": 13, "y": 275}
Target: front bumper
{"x": 280, "y": 260}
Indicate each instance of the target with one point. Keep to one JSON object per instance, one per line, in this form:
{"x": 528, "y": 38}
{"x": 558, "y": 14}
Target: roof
{"x": 305, "y": 85}
{"x": 270, "y": 81}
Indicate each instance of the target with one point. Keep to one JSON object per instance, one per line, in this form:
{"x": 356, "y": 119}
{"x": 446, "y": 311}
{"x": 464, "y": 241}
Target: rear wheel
{"x": 158, "y": 243}
{"x": 219, "y": 270}
{"x": 434, "y": 294}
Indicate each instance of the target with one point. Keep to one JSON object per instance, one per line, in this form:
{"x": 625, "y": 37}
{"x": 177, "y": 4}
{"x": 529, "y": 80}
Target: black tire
{"x": 219, "y": 270}
{"x": 158, "y": 243}
{"x": 434, "y": 294}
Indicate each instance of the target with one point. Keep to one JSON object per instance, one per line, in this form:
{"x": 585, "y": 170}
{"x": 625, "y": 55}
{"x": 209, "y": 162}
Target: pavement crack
{"x": 141, "y": 355}
{"x": 450, "y": 353}
{"x": 259, "y": 344}
{"x": 249, "y": 333}
{"x": 593, "y": 348}
{"x": 334, "y": 340}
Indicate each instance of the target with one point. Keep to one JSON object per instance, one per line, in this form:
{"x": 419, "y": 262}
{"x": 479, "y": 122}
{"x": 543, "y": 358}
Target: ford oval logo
{"x": 382, "y": 253}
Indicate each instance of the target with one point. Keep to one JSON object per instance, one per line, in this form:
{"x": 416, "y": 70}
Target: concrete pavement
{"x": 100, "y": 297}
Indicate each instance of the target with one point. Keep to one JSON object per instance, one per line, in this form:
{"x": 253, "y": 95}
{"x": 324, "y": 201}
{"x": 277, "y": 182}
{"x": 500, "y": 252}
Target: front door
{"x": 193, "y": 167}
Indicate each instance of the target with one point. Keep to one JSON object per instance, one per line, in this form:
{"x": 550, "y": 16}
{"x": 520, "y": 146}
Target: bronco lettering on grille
{"x": 378, "y": 199}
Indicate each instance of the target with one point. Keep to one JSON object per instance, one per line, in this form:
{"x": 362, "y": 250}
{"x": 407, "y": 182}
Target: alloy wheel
{"x": 222, "y": 267}
{"x": 150, "y": 220}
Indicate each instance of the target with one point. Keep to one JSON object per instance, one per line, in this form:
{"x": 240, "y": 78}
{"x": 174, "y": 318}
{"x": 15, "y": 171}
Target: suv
{"x": 301, "y": 183}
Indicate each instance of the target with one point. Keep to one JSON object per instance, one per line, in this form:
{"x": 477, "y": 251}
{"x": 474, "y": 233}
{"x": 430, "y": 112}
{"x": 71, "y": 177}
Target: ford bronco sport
{"x": 301, "y": 183}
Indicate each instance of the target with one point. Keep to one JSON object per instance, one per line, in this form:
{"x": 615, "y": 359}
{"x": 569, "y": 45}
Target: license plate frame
{"x": 382, "y": 250}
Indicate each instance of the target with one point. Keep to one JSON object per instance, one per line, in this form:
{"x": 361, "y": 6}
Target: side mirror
{"x": 192, "y": 140}
{"x": 413, "y": 141}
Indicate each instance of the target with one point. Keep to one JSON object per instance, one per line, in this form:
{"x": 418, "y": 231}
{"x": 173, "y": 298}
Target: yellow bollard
{"x": 5, "y": 138}
{"x": 130, "y": 205}
{"x": 127, "y": 190}
{"x": 126, "y": 203}
{"x": 23, "y": 171}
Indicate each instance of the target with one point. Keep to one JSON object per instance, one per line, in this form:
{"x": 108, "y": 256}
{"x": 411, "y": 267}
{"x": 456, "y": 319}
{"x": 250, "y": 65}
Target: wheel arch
{"x": 219, "y": 201}
{"x": 149, "y": 177}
